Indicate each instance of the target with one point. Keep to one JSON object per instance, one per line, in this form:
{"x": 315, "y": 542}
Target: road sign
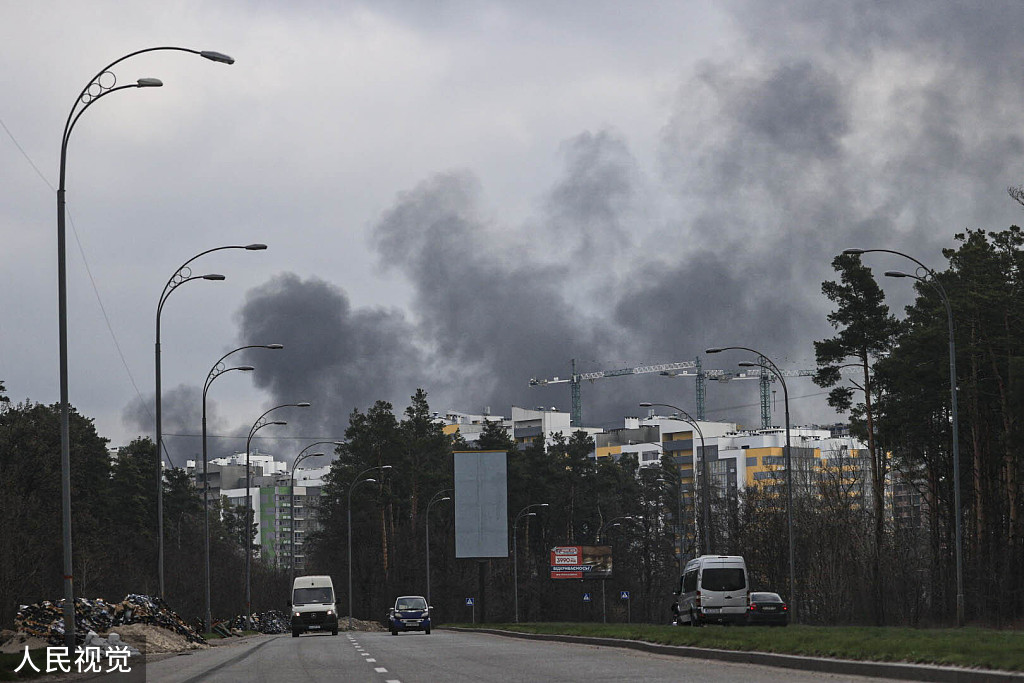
{"x": 469, "y": 602}
{"x": 586, "y": 597}
{"x": 623, "y": 595}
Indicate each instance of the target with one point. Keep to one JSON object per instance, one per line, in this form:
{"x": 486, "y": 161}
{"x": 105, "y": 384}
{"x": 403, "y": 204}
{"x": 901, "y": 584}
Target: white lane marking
{"x": 371, "y": 660}
{"x": 381, "y": 670}
{"x": 365, "y": 654}
{"x": 392, "y": 680}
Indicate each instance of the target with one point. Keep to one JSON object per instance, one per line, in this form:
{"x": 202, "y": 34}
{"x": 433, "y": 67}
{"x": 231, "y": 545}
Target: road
{"x": 362, "y": 657}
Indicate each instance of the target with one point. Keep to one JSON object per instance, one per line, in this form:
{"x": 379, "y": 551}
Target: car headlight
{"x": 297, "y": 614}
{"x": 330, "y": 612}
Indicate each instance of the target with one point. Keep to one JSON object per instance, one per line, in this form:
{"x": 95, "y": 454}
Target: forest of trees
{"x": 856, "y": 562}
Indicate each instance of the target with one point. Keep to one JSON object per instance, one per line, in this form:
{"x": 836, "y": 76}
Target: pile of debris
{"x": 272, "y": 621}
{"x": 46, "y": 619}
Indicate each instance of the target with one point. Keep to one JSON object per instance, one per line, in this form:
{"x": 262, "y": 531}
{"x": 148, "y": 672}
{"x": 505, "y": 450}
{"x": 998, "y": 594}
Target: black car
{"x": 767, "y": 609}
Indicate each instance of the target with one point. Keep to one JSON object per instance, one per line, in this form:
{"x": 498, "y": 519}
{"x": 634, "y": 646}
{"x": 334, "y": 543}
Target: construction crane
{"x": 766, "y": 378}
{"x": 686, "y": 368}
{"x": 689, "y": 368}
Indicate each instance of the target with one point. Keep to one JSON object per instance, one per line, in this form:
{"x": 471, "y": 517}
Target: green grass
{"x": 968, "y": 647}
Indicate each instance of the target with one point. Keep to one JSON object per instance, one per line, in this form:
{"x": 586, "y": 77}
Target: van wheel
{"x": 693, "y": 619}
{"x": 394, "y": 631}
{"x": 334, "y": 632}
{"x": 295, "y": 634}
{"x": 427, "y": 630}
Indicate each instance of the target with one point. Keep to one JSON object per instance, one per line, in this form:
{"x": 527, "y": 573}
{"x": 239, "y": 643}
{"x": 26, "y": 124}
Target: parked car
{"x": 410, "y": 613}
{"x": 767, "y": 609}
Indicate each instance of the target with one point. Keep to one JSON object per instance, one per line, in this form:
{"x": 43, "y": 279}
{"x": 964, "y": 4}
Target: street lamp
{"x": 767, "y": 363}
{"x": 932, "y": 279}
{"x": 260, "y": 423}
{"x": 704, "y": 485}
{"x": 614, "y": 522}
{"x": 433, "y": 499}
{"x": 218, "y": 369}
{"x": 515, "y": 551}
{"x": 356, "y": 482}
{"x": 103, "y": 83}
{"x": 182, "y": 275}
{"x": 295, "y": 465}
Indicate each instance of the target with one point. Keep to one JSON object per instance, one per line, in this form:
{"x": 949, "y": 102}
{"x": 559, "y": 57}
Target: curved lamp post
{"x": 931, "y": 279}
{"x": 260, "y": 423}
{"x": 614, "y": 522}
{"x": 103, "y": 83}
{"x": 295, "y": 465}
{"x": 433, "y": 499}
{"x": 704, "y": 486}
{"x": 182, "y": 275}
{"x": 515, "y": 551}
{"x": 770, "y": 365}
{"x": 356, "y": 482}
{"x": 218, "y": 369}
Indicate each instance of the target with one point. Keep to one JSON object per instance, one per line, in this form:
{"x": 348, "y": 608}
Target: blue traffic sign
{"x": 469, "y": 602}
{"x": 586, "y": 597}
{"x": 623, "y": 595}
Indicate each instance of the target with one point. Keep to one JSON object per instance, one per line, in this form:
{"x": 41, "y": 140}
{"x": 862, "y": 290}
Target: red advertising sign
{"x": 581, "y": 562}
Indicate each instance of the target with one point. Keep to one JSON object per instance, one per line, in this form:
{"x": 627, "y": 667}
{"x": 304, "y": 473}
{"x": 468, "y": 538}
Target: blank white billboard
{"x": 481, "y": 504}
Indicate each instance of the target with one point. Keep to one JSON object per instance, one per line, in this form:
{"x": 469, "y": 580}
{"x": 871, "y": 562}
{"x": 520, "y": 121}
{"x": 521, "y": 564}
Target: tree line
{"x": 859, "y": 558}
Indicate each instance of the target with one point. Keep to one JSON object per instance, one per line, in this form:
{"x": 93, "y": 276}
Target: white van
{"x": 313, "y": 605}
{"x": 713, "y": 589}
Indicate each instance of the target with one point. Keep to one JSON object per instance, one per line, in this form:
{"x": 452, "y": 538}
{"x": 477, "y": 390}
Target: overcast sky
{"x": 460, "y": 196}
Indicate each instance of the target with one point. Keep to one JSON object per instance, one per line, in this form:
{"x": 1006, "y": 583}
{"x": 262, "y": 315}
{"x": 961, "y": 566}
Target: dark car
{"x": 410, "y": 613}
{"x": 767, "y": 609}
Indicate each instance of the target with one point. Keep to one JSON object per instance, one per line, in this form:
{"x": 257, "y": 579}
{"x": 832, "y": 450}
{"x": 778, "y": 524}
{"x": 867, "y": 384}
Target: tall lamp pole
{"x": 614, "y": 522}
{"x": 515, "y": 551}
{"x": 260, "y": 423}
{"x": 182, "y": 275}
{"x": 767, "y": 363}
{"x": 704, "y": 484}
{"x": 291, "y": 495}
{"x": 103, "y": 83}
{"x": 218, "y": 369}
{"x": 433, "y": 499}
{"x": 932, "y": 279}
{"x": 356, "y": 482}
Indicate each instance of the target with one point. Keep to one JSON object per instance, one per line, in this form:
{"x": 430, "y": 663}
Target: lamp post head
{"x": 371, "y": 480}
{"x": 896, "y": 273}
{"x": 217, "y": 57}
{"x": 445, "y": 498}
{"x": 273, "y": 346}
{"x": 386, "y": 467}
{"x": 852, "y": 252}
{"x": 748, "y": 364}
{"x": 246, "y": 368}
{"x": 714, "y": 349}
{"x": 214, "y": 276}
{"x": 646, "y": 404}
{"x": 277, "y": 422}
{"x": 543, "y": 505}
{"x": 255, "y": 247}
{"x": 304, "y": 404}
{"x": 149, "y": 83}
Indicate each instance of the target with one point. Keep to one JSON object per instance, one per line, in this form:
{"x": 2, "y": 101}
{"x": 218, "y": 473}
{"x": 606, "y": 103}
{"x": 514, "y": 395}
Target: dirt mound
{"x": 14, "y": 641}
{"x": 360, "y": 625}
{"x": 150, "y": 639}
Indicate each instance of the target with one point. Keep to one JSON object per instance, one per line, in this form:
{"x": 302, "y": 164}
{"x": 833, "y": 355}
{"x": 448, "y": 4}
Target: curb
{"x": 849, "y": 667}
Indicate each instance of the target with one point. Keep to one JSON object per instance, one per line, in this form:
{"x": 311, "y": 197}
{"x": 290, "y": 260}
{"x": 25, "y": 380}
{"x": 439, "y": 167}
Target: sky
{"x": 462, "y": 196}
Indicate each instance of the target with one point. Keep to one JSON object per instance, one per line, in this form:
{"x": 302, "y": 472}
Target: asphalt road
{"x": 447, "y": 656}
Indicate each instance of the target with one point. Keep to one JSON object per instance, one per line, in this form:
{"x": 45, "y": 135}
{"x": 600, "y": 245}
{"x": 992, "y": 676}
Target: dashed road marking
{"x": 371, "y": 660}
{"x": 381, "y": 670}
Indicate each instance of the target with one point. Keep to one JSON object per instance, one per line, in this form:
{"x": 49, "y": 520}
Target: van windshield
{"x": 727, "y": 579}
{"x": 305, "y": 596}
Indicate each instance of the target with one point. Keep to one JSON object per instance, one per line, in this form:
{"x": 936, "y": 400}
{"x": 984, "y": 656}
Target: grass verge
{"x": 967, "y": 647}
